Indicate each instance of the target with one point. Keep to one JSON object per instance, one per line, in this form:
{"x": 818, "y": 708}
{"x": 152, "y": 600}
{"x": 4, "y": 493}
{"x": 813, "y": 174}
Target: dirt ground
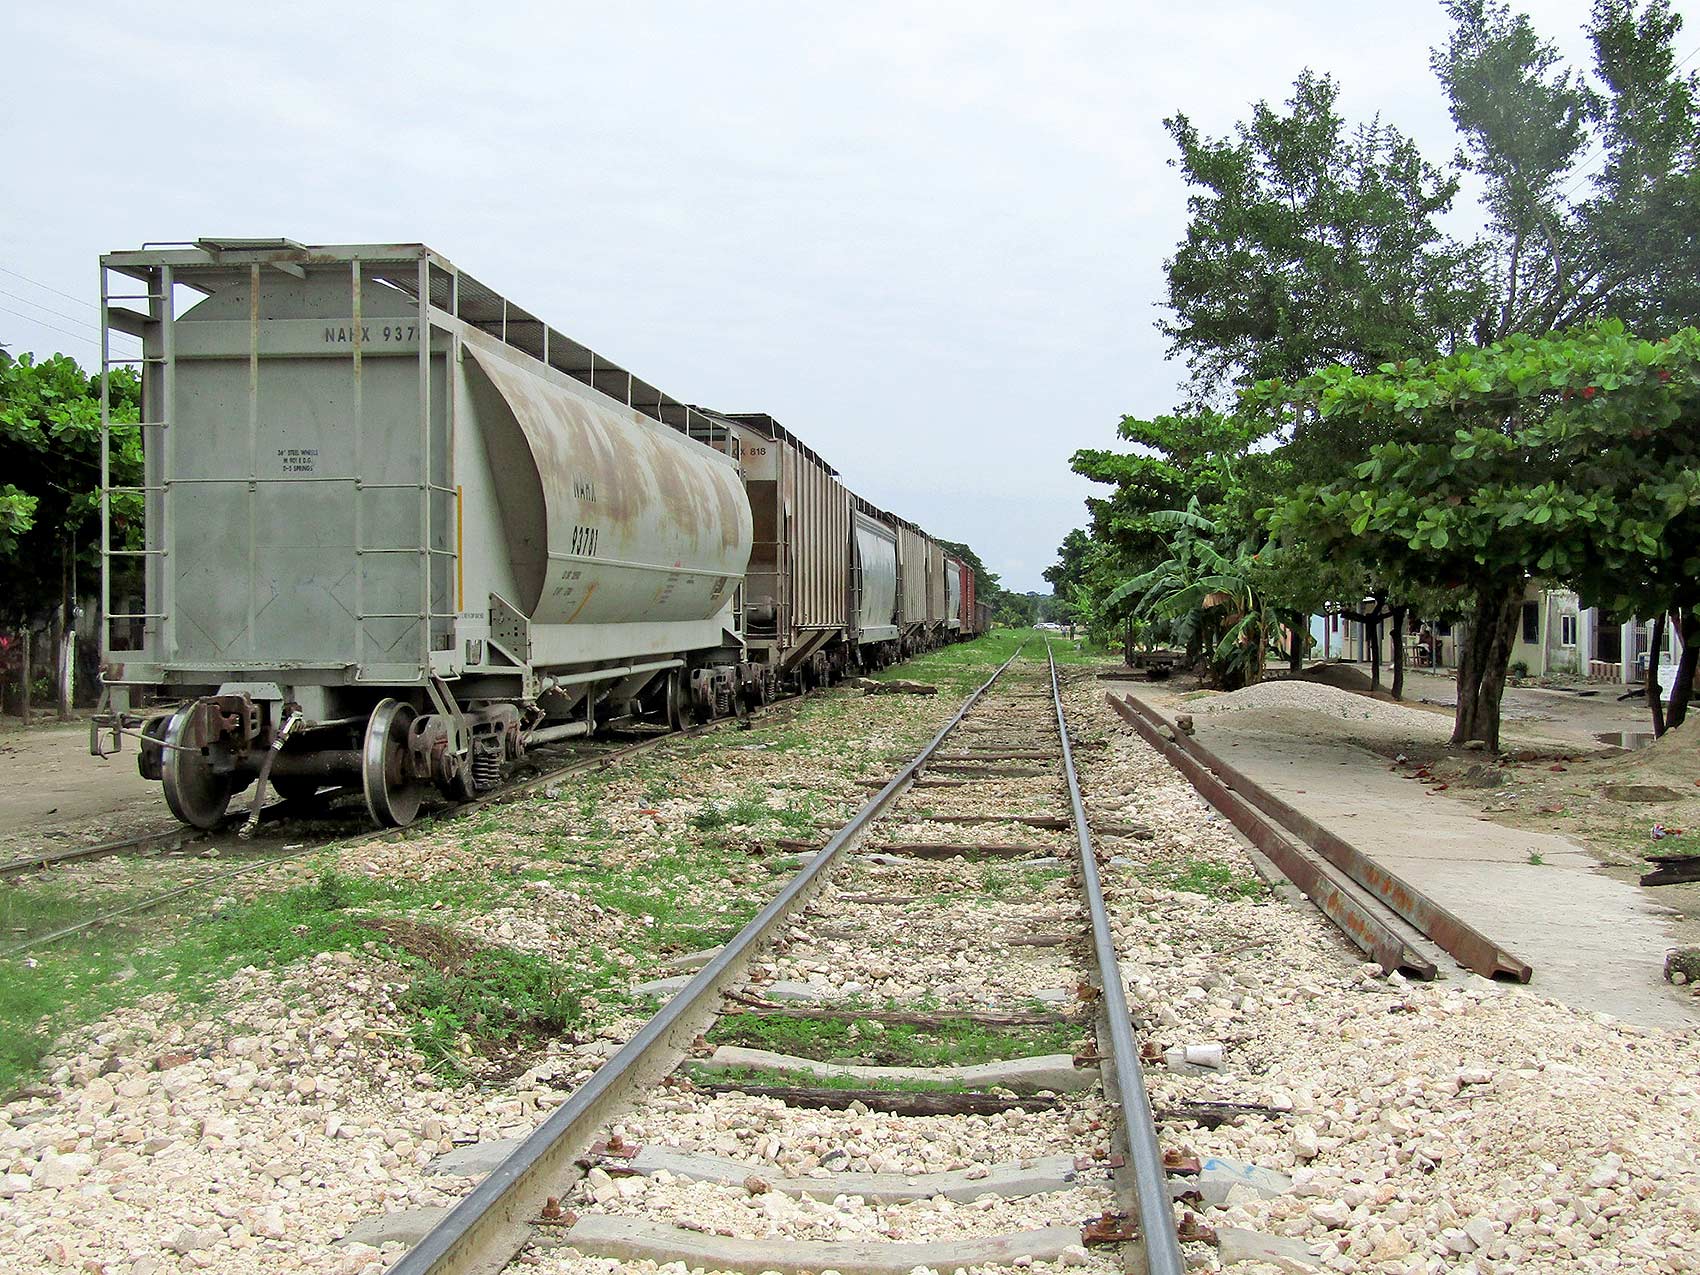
{"x": 1542, "y": 847}
{"x": 52, "y": 790}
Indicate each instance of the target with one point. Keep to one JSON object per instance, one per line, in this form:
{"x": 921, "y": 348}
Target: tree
{"x": 1207, "y": 585}
{"x": 50, "y": 499}
{"x": 1572, "y": 456}
{"x": 1310, "y": 243}
{"x": 50, "y": 456}
{"x": 1628, "y": 249}
{"x": 1175, "y": 459}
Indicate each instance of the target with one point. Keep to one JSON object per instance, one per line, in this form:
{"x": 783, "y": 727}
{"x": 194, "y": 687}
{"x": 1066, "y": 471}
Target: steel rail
{"x": 170, "y": 839}
{"x": 1357, "y": 914}
{"x": 1151, "y": 1198}
{"x": 493, "y": 1223}
{"x": 1473, "y": 949}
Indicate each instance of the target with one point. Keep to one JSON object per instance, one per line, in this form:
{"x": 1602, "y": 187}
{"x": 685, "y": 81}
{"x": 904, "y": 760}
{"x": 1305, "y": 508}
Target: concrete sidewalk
{"x": 1595, "y": 943}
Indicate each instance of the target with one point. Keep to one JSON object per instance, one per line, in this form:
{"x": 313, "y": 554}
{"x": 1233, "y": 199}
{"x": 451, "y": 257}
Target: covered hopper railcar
{"x": 395, "y": 530}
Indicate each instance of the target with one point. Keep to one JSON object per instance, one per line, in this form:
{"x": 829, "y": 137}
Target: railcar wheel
{"x": 196, "y": 793}
{"x": 392, "y": 794}
{"x": 681, "y": 712}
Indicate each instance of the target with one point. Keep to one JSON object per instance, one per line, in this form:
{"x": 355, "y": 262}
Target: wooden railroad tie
{"x": 897, "y": 1102}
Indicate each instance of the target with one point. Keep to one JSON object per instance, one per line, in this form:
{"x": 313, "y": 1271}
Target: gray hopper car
{"x": 395, "y": 530}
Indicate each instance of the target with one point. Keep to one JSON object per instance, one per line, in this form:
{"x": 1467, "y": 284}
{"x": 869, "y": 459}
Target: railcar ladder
{"x": 424, "y": 616}
{"x": 156, "y": 374}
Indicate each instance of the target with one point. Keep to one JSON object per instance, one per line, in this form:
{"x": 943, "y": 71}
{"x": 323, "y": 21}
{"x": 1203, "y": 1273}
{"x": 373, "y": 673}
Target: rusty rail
{"x": 1358, "y": 918}
{"x": 1468, "y": 945}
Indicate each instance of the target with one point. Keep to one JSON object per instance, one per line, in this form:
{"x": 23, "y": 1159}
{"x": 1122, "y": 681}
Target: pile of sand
{"x": 1327, "y": 701}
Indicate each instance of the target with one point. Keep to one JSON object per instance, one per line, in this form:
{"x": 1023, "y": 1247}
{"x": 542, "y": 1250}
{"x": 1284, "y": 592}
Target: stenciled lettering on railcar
{"x": 298, "y": 460}
{"x": 343, "y": 333}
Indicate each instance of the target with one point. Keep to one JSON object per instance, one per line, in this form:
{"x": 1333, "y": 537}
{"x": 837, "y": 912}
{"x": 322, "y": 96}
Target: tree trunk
{"x": 1372, "y": 629}
{"x": 1399, "y": 652}
{"x": 1127, "y": 643}
{"x": 1683, "y": 688}
{"x": 1655, "y": 704}
{"x": 24, "y": 666}
{"x": 1296, "y": 646}
{"x": 64, "y": 639}
{"x": 1482, "y": 664}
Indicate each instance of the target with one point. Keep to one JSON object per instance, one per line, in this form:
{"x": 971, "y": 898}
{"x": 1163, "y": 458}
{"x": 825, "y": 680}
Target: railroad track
{"x": 279, "y": 824}
{"x": 866, "y": 910}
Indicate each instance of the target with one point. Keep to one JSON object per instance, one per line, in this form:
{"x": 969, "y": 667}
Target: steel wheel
{"x": 392, "y": 795}
{"x": 196, "y": 793}
{"x": 681, "y": 713}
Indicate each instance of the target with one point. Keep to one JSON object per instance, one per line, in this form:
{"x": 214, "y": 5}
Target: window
{"x": 1443, "y": 628}
{"x": 1567, "y": 630}
{"x": 1531, "y": 622}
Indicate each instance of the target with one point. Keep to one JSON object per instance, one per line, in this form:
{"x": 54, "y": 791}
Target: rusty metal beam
{"x": 1473, "y": 949}
{"x": 1363, "y": 926}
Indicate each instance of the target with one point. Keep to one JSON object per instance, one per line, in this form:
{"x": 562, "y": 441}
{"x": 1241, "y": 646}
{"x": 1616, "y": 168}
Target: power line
{"x": 76, "y": 336}
{"x": 60, "y": 314}
{"x": 48, "y": 288}
{"x": 1578, "y": 179}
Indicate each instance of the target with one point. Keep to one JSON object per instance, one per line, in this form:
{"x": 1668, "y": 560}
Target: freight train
{"x": 395, "y": 530}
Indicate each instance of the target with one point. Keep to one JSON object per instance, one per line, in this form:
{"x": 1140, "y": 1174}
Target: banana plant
{"x": 1206, "y": 594}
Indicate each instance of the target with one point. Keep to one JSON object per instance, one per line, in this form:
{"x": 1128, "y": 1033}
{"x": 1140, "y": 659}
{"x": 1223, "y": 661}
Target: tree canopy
{"x": 1377, "y": 408}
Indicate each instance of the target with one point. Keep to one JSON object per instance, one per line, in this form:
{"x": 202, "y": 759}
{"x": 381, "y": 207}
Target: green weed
{"x": 952, "y": 1043}
{"x": 768, "y": 1076}
{"x": 1198, "y": 877}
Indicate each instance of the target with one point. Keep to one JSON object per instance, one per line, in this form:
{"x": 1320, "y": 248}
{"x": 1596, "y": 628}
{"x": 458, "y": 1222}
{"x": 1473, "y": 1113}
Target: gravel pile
{"x": 244, "y": 1139}
{"x": 1458, "y": 1126}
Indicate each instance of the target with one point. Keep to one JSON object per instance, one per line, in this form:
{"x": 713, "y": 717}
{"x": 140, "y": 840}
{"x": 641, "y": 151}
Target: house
{"x": 1555, "y": 637}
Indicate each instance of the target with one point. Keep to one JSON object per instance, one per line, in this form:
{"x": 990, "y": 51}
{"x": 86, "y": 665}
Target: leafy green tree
{"x": 1310, "y": 242}
{"x": 1571, "y": 456}
{"x": 50, "y": 457}
{"x": 1175, "y": 459}
{"x": 1565, "y": 243}
{"x": 1207, "y": 587}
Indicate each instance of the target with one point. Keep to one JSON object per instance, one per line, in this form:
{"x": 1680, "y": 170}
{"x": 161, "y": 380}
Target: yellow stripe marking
{"x": 582, "y": 601}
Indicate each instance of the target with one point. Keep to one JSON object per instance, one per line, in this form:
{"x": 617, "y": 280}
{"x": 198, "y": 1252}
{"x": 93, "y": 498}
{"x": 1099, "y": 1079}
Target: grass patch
{"x": 958, "y": 1043}
{"x": 1198, "y": 877}
{"x": 470, "y": 999}
{"x": 81, "y": 979}
{"x": 769, "y": 1076}
{"x": 753, "y": 811}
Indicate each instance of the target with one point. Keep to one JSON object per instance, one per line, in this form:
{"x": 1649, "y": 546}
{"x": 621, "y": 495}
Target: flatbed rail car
{"x": 396, "y": 529}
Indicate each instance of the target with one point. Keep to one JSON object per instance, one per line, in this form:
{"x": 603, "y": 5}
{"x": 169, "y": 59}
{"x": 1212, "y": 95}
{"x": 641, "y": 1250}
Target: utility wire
{"x": 78, "y": 336}
{"x": 69, "y": 318}
{"x": 48, "y": 287}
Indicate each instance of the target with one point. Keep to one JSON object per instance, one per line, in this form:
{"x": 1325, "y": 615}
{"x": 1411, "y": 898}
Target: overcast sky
{"x": 927, "y": 237}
